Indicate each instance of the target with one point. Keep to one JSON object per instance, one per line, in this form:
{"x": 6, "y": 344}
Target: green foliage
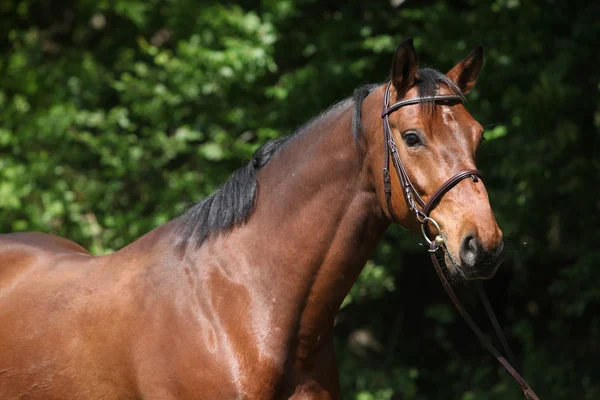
{"x": 114, "y": 116}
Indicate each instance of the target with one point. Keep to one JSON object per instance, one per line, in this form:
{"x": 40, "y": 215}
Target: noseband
{"x": 422, "y": 210}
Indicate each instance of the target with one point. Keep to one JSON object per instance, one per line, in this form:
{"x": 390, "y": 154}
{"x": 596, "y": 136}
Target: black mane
{"x": 233, "y": 203}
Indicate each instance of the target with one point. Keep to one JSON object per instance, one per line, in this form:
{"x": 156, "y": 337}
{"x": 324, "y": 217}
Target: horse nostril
{"x": 468, "y": 249}
{"x": 473, "y": 244}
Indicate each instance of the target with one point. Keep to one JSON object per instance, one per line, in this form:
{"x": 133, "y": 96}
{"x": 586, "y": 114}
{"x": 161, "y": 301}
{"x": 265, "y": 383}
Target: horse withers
{"x": 236, "y": 298}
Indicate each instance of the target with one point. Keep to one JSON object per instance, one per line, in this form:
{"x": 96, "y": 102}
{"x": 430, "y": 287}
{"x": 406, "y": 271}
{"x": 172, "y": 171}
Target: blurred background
{"x": 116, "y": 115}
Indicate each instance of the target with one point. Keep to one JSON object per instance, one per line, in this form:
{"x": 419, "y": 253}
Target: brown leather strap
{"x": 391, "y": 150}
{"x": 492, "y": 316}
{"x": 446, "y": 98}
{"x": 527, "y": 391}
{"x": 449, "y": 184}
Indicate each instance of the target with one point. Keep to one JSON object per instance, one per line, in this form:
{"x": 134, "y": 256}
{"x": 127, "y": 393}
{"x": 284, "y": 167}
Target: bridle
{"x": 422, "y": 210}
{"x": 408, "y": 189}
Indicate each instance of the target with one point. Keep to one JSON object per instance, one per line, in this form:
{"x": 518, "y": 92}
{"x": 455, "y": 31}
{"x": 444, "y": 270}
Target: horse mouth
{"x": 484, "y": 270}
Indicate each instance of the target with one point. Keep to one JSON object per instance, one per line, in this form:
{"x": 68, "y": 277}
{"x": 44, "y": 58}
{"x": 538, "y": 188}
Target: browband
{"x": 438, "y": 98}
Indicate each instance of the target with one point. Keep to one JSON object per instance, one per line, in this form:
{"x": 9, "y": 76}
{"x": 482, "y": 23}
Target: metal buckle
{"x": 439, "y": 240}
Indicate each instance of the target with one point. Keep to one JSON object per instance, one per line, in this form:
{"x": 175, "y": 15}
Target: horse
{"x": 236, "y": 297}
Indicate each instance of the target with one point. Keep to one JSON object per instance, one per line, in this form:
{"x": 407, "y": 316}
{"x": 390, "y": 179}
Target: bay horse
{"x": 236, "y": 298}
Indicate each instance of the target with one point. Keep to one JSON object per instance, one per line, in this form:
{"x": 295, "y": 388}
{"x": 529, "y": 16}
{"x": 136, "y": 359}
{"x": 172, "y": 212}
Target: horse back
{"x": 53, "y": 297}
{"x": 20, "y": 252}
{"x": 41, "y": 241}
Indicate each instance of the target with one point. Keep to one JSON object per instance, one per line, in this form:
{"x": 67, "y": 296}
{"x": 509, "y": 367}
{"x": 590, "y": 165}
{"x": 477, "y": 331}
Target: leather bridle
{"x": 422, "y": 210}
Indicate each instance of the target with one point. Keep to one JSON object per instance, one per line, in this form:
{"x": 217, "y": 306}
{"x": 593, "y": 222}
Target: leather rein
{"x": 422, "y": 210}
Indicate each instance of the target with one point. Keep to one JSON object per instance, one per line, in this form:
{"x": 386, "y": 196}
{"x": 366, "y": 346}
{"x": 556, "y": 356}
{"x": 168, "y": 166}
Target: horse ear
{"x": 465, "y": 73}
{"x": 404, "y": 67}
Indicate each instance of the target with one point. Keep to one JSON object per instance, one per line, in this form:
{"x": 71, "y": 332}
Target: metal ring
{"x": 425, "y": 219}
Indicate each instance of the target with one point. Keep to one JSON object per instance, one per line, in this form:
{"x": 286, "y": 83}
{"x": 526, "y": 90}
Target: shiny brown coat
{"x": 249, "y": 313}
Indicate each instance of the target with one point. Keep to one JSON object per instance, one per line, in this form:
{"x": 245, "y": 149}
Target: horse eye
{"x": 412, "y": 139}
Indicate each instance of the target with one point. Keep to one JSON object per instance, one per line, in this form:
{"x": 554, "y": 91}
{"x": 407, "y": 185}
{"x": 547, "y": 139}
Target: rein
{"x": 422, "y": 211}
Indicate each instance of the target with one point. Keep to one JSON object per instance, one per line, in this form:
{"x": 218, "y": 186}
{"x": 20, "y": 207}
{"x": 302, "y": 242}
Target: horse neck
{"x": 317, "y": 219}
{"x": 289, "y": 267}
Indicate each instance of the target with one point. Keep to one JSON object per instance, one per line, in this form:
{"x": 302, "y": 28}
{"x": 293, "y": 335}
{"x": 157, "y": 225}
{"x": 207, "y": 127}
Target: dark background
{"x": 116, "y": 115}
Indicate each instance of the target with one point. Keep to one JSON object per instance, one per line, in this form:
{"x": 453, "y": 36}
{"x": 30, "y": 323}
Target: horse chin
{"x": 485, "y": 271}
